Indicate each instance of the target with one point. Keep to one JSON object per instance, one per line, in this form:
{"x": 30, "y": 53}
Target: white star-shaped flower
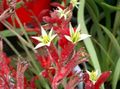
{"x": 75, "y": 3}
{"x": 93, "y": 75}
{"x": 75, "y": 35}
{"x": 45, "y": 39}
{"x": 63, "y": 13}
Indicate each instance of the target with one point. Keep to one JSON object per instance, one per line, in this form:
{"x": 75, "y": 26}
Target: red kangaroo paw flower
{"x": 65, "y": 70}
{"x": 21, "y": 67}
{"x": 103, "y": 77}
{"x": 66, "y": 51}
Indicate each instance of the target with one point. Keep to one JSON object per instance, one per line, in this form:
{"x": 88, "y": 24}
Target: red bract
{"x": 90, "y": 85}
{"x": 49, "y": 74}
{"x": 45, "y": 61}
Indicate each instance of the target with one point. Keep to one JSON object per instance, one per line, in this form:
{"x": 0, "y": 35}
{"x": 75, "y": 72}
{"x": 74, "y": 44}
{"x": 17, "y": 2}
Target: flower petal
{"x": 50, "y": 33}
{"x": 59, "y": 9}
{"x": 53, "y": 36}
{"x": 71, "y": 29}
{"x": 37, "y": 38}
{"x": 78, "y": 28}
{"x": 48, "y": 44}
{"x": 43, "y": 32}
{"x": 84, "y": 36}
{"x": 68, "y": 38}
{"x": 102, "y": 79}
{"x": 39, "y": 45}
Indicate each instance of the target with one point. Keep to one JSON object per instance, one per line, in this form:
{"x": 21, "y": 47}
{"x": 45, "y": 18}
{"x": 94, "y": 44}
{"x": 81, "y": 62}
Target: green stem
{"x": 13, "y": 31}
{"x": 22, "y": 41}
{"x": 22, "y": 28}
{"x": 11, "y": 46}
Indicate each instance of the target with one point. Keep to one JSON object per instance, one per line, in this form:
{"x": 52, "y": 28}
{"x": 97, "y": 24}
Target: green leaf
{"x": 110, "y": 7}
{"x": 116, "y": 74}
{"x": 88, "y": 42}
{"x": 93, "y": 5}
{"x": 112, "y": 38}
{"x": 95, "y": 20}
{"x": 105, "y": 63}
{"x": 8, "y": 33}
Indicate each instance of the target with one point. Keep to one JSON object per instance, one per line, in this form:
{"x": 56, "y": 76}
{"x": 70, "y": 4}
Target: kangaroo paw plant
{"x": 52, "y": 48}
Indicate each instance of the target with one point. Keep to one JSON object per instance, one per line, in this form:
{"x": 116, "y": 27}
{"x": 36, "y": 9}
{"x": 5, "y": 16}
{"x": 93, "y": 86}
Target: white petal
{"x": 97, "y": 72}
{"x": 37, "y": 38}
{"x": 78, "y": 28}
{"x": 84, "y": 36}
{"x": 50, "y": 33}
{"x": 65, "y": 17}
{"x": 39, "y": 45}
{"x": 43, "y": 32}
{"x": 59, "y": 9}
{"x": 48, "y": 44}
{"x": 71, "y": 29}
{"x": 68, "y": 38}
{"x": 88, "y": 72}
{"x": 53, "y": 36}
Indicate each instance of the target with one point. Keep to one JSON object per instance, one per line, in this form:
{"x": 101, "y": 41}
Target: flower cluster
{"x": 59, "y": 64}
{"x": 55, "y": 50}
